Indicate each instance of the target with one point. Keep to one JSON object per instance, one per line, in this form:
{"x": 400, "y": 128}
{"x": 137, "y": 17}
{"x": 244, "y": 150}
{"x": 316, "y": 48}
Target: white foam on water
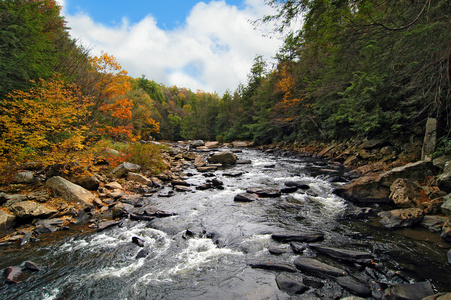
{"x": 51, "y": 295}
{"x": 117, "y": 271}
{"x": 198, "y": 252}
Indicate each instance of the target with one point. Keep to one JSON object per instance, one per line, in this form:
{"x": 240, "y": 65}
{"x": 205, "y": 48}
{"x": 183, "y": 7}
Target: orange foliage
{"x": 114, "y": 83}
{"x": 286, "y": 111}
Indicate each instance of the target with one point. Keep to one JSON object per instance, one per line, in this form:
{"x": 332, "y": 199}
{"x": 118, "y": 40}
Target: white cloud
{"x": 213, "y": 50}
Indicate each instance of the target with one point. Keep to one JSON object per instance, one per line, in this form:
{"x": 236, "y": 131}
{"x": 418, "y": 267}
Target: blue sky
{"x": 169, "y": 13}
{"x": 208, "y": 45}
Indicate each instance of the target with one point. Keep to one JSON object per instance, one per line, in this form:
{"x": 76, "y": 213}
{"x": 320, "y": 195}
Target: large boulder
{"x": 401, "y": 217}
{"x": 224, "y": 157}
{"x": 365, "y": 189}
{"x": 376, "y": 188}
{"x": 406, "y": 193}
{"x": 416, "y": 171}
{"x": 31, "y": 209}
{"x": 124, "y": 168}
{"x": 89, "y": 182}
{"x": 69, "y": 191}
{"x": 7, "y": 220}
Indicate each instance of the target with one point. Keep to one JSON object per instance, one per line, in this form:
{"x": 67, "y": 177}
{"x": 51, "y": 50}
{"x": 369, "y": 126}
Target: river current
{"x": 212, "y": 262}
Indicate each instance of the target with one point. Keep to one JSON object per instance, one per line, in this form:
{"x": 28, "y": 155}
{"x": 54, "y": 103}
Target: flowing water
{"x": 212, "y": 264}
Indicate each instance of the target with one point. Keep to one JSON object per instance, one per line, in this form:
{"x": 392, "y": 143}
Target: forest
{"x": 356, "y": 69}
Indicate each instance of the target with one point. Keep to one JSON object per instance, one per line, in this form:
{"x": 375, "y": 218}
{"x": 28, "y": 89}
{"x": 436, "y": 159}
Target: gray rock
{"x": 207, "y": 169}
{"x": 182, "y": 188}
{"x": 245, "y": 197}
{"x": 25, "y": 177}
{"x": 224, "y": 157}
{"x": 240, "y": 144}
{"x": 446, "y": 231}
{"x": 272, "y": 266}
{"x": 433, "y": 223}
{"x": 446, "y": 206}
{"x": 113, "y": 186}
{"x": 197, "y": 143}
{"x": 317, "y": 268}
{"x": 444, "y": 180}
{"x": 289, "y": 285}
{"x": 441, "y": 161}
{"x": 401, "y": 217}
{"x": 449, "y": 256}
{"x": 344, "y": 254}
{"x": 356, "y": 286}
{"x": 430, "y": 139}
{"x": 297, "y": 237}
{"x": 69, "y": 191}
{"x": 90, "y": 182}
{"x": 13, "y": 199}
{"x": 178, "y": 181}
{"x": 405, "y": 291}
{"x": 439, "y": 296}
{"x": 264, "y": 192}
{"x": 200, "y": 161}
{"x": 298, "y": 184}
{"x": 124, "y": 168}
{"x": 416, "y": 171}
{"x": 106, "y": 224}
{"x": 7, "y": 220}
{"x": 142, "y": 253}
{"x": 31, "y": 209}
{"x": 40, "y": 196}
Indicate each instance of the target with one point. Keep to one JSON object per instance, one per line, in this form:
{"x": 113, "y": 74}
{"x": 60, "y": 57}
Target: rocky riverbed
{"x": 305, "y": 257}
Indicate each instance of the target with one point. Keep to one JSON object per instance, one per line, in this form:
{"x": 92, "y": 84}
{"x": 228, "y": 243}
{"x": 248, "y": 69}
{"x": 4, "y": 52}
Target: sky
{"x": 208, "y": 45}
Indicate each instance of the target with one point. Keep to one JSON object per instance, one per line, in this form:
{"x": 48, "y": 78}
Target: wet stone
{"x": 317, "y": 268}
{"x": 272, "y": 266}
{"x": 298, "y": 237}
{"x": 245, "y": 197}
{"x": 356, "y": 286}
{"x": 415, "y": 291}
{"x": 290, "y": 285}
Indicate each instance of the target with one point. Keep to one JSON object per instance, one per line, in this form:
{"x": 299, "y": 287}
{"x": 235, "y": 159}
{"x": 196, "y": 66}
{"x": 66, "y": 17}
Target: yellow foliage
{"x": 38, "y": 122}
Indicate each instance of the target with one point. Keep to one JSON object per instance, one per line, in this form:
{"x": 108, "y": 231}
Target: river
{"x": 213, "y": 262}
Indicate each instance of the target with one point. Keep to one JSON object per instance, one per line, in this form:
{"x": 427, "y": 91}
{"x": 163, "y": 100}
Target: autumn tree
{"x": 46, "y": 123}
{"x": 112, "y": 110}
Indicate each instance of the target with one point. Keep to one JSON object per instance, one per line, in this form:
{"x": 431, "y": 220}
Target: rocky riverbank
{"x": 52, "y": 204}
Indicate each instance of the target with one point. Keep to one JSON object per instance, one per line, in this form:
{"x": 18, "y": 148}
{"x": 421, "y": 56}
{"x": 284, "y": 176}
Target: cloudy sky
{"x": 208, "y": 45}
